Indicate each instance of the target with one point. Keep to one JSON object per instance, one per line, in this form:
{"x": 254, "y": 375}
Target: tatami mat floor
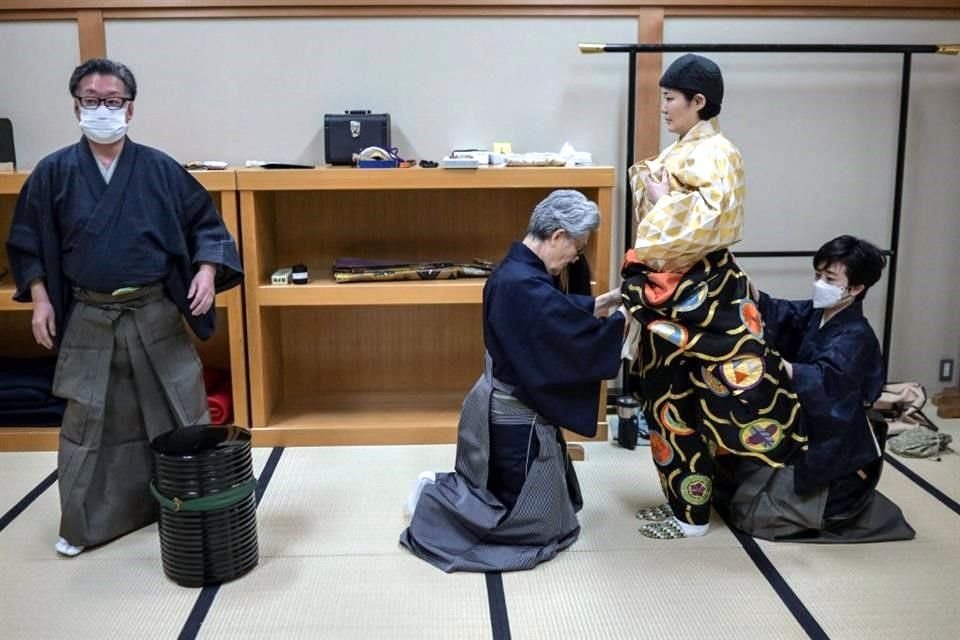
{"x": 330, "y": 566}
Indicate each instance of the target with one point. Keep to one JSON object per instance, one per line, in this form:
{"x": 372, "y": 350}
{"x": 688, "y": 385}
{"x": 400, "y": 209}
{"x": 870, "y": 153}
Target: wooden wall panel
{"x": 93, "y": 38}
{"x": 630, "y": 5}
{"x": 649, "y": 68}
{"x": 250, "y": 8}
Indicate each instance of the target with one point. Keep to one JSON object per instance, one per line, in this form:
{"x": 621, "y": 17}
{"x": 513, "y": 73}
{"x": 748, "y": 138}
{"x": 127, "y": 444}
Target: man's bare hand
{"x": 44, "y": 323}
{"x": 202, "y": 292}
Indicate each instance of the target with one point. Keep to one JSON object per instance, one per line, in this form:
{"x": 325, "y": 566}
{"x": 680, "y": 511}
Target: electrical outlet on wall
{"x": 946, "y": 370}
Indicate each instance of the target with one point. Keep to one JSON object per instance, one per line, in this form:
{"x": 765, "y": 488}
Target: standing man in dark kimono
{"x": 116, "y": 238}
{"x": 833, "y": 357}
{"x": 512, "y": 501}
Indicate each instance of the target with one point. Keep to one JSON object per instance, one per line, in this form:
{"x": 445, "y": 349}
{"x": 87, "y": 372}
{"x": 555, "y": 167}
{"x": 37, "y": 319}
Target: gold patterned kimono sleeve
{"x": 704, "y": 209}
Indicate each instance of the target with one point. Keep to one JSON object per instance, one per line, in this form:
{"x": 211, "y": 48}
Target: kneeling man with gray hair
{"x": 511, "y": 503}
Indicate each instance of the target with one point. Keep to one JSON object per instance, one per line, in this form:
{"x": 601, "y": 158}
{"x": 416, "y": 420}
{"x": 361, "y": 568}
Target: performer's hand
{"x": 606, "y": 301}
{"x": 658, "y": 189}
{"x": 44, "y": 323}
{"x": 202, "y": 292}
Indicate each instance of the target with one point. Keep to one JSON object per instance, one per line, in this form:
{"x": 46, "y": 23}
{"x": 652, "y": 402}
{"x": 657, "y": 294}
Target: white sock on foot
{"x": 64, "y": 548}
{"x": 425, "y": 478}
{"x": 692, "y": 530}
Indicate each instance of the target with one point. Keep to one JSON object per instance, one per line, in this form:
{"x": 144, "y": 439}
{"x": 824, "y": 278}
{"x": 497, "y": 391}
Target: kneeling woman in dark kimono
{"x": 511, "y": 502}
{"x": 833, "y": 358}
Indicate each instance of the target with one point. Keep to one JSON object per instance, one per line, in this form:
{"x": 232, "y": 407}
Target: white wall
{"x": 37, "y": 58}
{"x": 818, "y": 132}
{"x": 259, "y": 89}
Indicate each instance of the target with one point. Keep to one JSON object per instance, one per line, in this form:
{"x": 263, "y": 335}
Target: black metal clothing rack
{"x": 907, "y": 50}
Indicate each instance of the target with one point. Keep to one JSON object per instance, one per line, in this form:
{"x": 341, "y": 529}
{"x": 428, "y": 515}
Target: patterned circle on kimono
{"x": 693, "y": 299}
{"x": 713, "y": 383}
{"x": 661, "y": 449}
{"x": 696, "y": 489}
{"x": 742, "y": 372}
{"x": 750, "y": 316}
{"x": 669, "y": 331}
{"x": 670, "y": 419}
{"x": 761, "y": 435}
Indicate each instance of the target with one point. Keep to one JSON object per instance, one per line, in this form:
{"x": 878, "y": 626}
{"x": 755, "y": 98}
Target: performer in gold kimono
{"x": 708, "y": 381}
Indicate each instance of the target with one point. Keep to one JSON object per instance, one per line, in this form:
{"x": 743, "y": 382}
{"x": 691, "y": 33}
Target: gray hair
{"x": 104, "y": 67}
{"x": 567, "y": 210}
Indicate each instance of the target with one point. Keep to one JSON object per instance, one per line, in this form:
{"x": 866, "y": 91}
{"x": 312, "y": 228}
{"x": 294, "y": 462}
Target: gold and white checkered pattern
{"x": 704, "y": 209}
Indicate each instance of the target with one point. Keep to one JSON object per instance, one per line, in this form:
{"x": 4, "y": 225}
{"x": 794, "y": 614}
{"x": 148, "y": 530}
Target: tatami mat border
{"x": 496, "y": 598}
{"x": 949, "y": 502}
{"x": 27, "y": 500}
{"x": 779, "y": 584}
{"x": 209, "y": 593}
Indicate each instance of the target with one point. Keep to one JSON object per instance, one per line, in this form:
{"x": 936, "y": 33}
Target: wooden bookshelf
{"x": 383, "y": 362}
{"x": 227, "y": 348}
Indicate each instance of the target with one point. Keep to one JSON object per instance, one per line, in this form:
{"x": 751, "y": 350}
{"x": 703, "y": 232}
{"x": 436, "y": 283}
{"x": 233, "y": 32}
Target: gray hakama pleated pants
{"x": 129, "y": 372}
{"x": 459, "y": 525}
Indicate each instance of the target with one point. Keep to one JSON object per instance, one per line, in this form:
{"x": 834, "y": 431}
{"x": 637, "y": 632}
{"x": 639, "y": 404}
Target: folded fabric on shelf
{"x": 360, "y": 265}
{"x": 50, "y": 415}
{"x": 26, "y": 397}
{"x": 219, "y": 394}
{"x": 349, "y": 269}
{"x": 221, "y": 406}
{"x": 27, "y": 373}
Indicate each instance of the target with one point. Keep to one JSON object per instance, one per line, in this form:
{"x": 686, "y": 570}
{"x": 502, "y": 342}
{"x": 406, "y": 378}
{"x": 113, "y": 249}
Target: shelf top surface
{"x": 12, "y": 181}
{"x": 419, "y": 178}
{"x": 6, "y": 297}
{"x": 216, "y": 180}
{"x": 352, "y": 178}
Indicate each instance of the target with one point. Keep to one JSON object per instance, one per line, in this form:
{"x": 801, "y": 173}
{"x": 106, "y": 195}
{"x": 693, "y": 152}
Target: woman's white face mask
{"x": 826, "y": 295}
{"x": 102, "y": 125}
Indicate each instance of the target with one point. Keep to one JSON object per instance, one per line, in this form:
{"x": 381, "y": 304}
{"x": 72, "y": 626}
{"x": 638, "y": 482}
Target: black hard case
{"x": 347, "y": 133}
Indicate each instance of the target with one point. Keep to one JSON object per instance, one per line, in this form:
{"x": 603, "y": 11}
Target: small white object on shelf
{"x": 281, "y": 276}
{"x": 459, "y": 163}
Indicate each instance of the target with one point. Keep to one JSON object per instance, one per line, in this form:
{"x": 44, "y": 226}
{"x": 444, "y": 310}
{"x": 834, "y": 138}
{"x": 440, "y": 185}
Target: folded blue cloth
{"x": 26, "y": 386}
{"x": 49, "y": 416}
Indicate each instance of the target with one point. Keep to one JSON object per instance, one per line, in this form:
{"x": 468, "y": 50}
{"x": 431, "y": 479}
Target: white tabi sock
{"x": 692, "y": 530}
{"x": 425, "y": 478}
{"x": 64, "y": 548}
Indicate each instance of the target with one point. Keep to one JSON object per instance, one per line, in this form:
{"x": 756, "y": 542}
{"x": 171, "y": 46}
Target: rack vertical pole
{"x": 897, "y": 203}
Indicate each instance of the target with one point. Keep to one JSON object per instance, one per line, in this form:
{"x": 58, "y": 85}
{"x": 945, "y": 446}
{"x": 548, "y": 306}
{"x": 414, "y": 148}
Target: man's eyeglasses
{"x": 113, "y": 102}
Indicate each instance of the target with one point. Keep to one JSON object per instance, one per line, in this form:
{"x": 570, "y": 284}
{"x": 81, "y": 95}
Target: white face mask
{"x": 826, "y": 295}
{"x": 102, "y": 125}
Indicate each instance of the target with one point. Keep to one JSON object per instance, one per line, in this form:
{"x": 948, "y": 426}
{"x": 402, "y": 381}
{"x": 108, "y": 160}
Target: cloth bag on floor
{"x": 919, "y": 443}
